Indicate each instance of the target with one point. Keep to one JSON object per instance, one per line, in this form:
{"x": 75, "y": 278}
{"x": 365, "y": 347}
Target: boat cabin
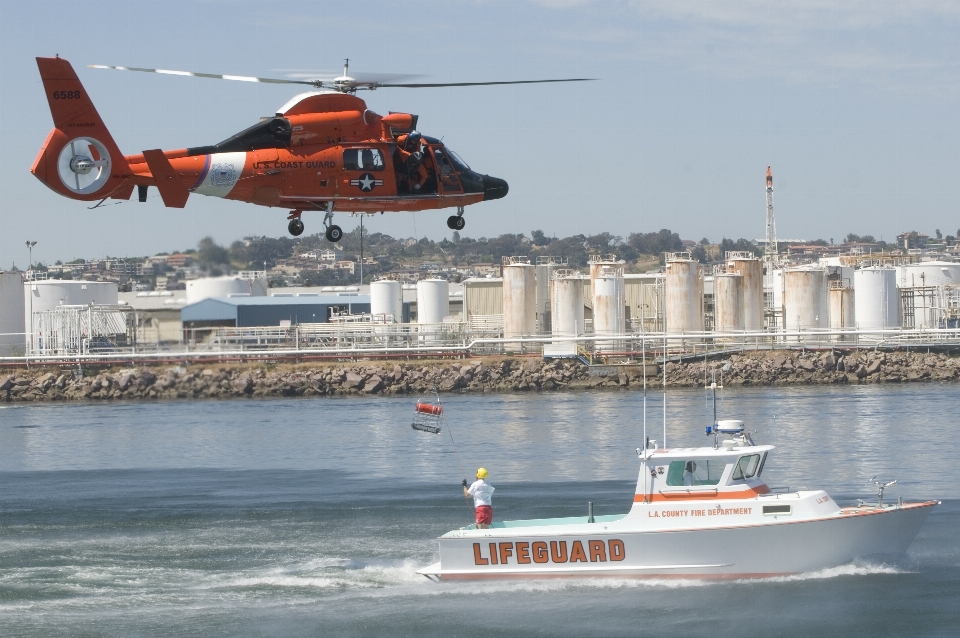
{"x": 727, "y": 471}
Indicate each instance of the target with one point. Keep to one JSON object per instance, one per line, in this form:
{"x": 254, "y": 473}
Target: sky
{"x": 854, "y": 104}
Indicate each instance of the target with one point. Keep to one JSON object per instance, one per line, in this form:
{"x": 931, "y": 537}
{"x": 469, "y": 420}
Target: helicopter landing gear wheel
{"x": 334, "y": 233}
{"x": 455, "y": 222}
{"x": 295, "y": 227}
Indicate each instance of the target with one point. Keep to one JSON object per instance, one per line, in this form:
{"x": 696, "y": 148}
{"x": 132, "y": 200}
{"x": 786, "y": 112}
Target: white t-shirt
{"x": 482, "y": 493}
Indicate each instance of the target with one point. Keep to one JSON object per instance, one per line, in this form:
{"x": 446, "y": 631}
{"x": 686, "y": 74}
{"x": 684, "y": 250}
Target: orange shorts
{"x": 484, "y": 514}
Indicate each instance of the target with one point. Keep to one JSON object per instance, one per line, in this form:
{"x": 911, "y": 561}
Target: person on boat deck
{"x": 482, "y": 493}
{"x": 688, "y": 471}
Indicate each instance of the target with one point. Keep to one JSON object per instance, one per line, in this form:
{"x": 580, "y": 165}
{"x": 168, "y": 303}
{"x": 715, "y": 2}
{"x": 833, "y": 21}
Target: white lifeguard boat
{"x": 697, "y": 513}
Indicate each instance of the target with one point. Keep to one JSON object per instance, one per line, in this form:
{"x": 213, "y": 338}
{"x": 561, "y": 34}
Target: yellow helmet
{"x": 482, "y": 473}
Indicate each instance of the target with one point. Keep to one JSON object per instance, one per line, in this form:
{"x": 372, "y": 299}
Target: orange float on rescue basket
{"x": 427, "y": 408}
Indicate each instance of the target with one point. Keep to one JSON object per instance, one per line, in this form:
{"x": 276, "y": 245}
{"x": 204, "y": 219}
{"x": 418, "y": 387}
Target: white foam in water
{"x": 330, "y": 573}
{"x": 852, "y": 569}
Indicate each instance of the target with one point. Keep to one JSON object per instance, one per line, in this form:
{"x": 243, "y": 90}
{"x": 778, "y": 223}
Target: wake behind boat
{"x": 697, "y": 512}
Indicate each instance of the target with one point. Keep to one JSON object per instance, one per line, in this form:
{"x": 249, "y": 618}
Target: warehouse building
{"x": 247, "y": 312}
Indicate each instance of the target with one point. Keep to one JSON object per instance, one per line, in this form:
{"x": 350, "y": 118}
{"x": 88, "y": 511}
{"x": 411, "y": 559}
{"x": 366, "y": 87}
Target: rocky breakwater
{"x": 486, "y": 375}
{"x": 497, "y": 375}
{"x": 808, "y": 368}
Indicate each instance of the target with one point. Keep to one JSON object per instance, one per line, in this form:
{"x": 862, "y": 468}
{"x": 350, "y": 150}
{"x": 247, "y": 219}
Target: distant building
{"x": 178, "y": 260}
{"x": 485, "y": 270}
{"x": 912, "y": 240}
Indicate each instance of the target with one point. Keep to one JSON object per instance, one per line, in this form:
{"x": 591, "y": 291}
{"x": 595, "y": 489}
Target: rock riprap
{"x": 501, "y": 374}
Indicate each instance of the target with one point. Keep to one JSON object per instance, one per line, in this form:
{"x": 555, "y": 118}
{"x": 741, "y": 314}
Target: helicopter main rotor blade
{"x": 214, "y": 76}
{"x": 441, "y": 84}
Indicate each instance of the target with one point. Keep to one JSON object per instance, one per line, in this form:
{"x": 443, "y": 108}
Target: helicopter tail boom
{"x": 79, "y": 158}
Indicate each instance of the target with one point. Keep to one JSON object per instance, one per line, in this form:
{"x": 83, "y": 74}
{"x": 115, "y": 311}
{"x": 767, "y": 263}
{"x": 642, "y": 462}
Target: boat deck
{"x": 545, "y": 522}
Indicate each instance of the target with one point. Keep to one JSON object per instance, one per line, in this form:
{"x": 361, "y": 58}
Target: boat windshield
{"x": 695, "y": 472}
{"x": 746, "y": 467}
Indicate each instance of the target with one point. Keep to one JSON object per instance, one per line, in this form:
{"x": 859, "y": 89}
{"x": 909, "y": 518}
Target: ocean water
{"x": 306, "y": 517}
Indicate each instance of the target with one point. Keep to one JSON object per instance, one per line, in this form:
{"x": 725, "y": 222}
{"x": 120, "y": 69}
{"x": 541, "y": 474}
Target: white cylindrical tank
{"x": 805, "y": 304}
{"x": 728, "y": 302}
{"x": 924, "y": 286}
{"x": 751, "y": 269}
{"x": 928, "y": 273}
{"x": 684, "y": 296}
{"x": 773, "y": 298}
{"x": 12, "y": 315}
{"x": 877, "y": 300}
{"x": 842, "y": 309}
{"x": 433, "y": 300}
{"x": 567, "y": 305}
{"x": 386, "y": 300}
{"x": 208, "y": 287}
{"x": 608, "y": 306}
{"x": 50, "y": 293}
{"x": 519, "y": 300}
{"x": 41, "y": 296}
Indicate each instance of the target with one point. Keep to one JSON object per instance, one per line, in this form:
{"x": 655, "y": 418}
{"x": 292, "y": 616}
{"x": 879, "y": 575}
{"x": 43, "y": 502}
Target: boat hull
{"x": 744, "y": 551}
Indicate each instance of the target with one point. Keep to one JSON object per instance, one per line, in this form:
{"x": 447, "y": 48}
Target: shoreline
{"x": 502, "y": 374}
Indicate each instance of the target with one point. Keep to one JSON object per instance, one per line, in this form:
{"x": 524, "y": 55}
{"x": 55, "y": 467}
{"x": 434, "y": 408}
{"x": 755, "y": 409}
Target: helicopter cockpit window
{"x": 457, "y": 160}
{"x": 448, "y": 176}
{"x": 362, "y": 159}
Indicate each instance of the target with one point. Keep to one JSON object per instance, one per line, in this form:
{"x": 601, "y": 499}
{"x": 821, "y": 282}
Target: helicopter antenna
{"x": 346, "y": 66}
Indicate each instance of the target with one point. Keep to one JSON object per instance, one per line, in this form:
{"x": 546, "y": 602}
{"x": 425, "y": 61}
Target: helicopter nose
{"x": 494, "y": 188}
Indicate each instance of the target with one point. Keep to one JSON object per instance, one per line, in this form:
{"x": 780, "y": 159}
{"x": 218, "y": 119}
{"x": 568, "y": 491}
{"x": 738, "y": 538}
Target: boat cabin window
{"x": 762, "y": 461}
{"x": 695, "y": 472}
{"x": 746, "y": 467}
{"x": 362, "y": 159}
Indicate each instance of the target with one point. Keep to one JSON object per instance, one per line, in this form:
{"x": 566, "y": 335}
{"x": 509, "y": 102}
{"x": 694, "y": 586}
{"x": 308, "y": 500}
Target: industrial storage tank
{"x": 928, "y": 273}
{"x": 210, "y": 287}
{"x": 684, "y": 295}
{"x": 44, "y": 295}
{"x": 386, "y": 301}
{"x": 805, "y": 305}
{"x": 751, "y": 269}
{"x": 12, "y": 315}
{"x": 728, "y": 302}
{"x": 877, "y": 301}
{"x": 433, "y": 300}
{"x": 925, "y": 290}
{"x": 608, "y": 307}
{"x": 519, "y": 298}
{"x": 842, "y": 307}
{"x": 567, "y": 303}
{"x": 773, "y": 299}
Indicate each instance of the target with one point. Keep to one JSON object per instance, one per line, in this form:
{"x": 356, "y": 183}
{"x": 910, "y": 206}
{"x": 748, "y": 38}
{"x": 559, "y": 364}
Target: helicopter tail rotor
{"x": 79, "y": 158}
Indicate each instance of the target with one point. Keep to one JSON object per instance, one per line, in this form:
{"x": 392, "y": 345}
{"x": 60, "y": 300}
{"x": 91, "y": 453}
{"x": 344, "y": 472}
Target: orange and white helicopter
{"x": 323, "y": 150}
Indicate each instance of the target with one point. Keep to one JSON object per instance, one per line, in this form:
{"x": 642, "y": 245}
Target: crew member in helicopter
{"x": 411, "y": 174}
{"x": 482, "y": 493}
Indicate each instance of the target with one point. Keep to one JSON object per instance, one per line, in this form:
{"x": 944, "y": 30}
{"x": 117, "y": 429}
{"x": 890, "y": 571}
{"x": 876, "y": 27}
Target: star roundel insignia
{"x": 366, "y": 182}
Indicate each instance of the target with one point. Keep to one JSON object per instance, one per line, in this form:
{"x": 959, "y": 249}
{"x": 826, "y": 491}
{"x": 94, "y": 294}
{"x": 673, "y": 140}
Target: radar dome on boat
{"x": 730, "y": 426}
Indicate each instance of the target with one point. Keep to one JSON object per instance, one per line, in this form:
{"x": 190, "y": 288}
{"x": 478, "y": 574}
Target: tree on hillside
{"x": 209, "y": 253}
{"x": 655, "y": 243}
{"x": 740, "y": 245}
{"x": 263, "y": 250}
{"x": 539, "y": 239}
